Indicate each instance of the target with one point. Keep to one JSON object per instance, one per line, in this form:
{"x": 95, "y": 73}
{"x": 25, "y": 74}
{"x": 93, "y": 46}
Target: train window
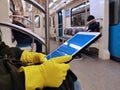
{"x": 26, "y": 21}
{"x": 114, "y": 11}
{"x": 79, "y": 13}
{"x": 37, "y": 21}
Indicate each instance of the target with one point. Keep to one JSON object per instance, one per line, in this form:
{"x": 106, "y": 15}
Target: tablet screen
{"x": 74, "y": 44}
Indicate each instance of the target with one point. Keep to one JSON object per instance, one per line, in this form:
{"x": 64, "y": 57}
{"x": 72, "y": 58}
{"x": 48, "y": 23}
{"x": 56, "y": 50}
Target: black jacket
{"x": 10, "y": 78}
{"x": 19, "y": 36}
{"x": 94, "y": 27}
{"x": 12, "y": 52}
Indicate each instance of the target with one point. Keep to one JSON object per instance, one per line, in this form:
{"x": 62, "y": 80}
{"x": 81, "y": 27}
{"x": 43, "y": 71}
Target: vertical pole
{"x": 85, "y": 12}
{"x": 32, "y": 26}
{"x": 65, "y": 13}
{"x": 47, "y": 32}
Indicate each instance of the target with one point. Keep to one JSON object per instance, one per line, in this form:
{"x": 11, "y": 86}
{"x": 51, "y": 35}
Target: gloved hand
{"x": 32, "y": 57}
{"x": 49, "y": 74}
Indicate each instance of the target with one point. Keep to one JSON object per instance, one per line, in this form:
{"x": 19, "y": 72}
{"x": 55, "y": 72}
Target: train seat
{"x": 69, "y": 32}
{"x": 26, "y": 46}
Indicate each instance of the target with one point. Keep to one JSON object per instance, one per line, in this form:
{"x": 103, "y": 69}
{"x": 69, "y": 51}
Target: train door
{"x": 114, "y": 30}
{"x": 60, "y": 26}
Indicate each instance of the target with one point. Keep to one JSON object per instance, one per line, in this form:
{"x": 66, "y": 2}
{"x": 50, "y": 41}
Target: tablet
{"x": 75, "y": 44}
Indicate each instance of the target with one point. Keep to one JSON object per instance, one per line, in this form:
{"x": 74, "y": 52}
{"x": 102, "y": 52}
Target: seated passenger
{"x": 22, "y": 38}
{"x": 94, "y": 25}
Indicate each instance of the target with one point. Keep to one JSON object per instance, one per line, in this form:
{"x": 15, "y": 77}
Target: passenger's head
{"x": 90, "y": 17}
{"x": 16, "y": 12}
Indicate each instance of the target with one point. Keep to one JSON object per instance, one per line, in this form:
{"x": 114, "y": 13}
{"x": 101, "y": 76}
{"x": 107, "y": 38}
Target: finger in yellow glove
{"x": 32, "y": 57}
{"x": 49, "y": 74}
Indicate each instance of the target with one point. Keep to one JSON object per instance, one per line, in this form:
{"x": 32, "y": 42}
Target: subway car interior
{"x": 56, "y": 23}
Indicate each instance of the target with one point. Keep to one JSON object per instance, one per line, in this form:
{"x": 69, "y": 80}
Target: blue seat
{"x": 24, "y": 45}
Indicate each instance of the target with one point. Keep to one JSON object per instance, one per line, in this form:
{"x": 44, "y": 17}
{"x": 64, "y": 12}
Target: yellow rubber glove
{"x": 49, "y": 74}
{"x": 32, "y": 57}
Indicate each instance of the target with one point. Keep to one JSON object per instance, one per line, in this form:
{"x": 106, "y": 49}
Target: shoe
{"x": 81, "y": 58}
{"x": 78, "y": 57}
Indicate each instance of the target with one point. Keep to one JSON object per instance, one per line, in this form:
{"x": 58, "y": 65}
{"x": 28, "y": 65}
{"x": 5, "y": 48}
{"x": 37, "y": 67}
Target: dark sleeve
{"x": 19, "y": 24}
{"x": 13, "y": 52}
{"x": 94, "y": 27}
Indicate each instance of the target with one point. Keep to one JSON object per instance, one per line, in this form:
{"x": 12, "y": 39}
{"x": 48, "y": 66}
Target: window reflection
{"x": 78, "y": 14}
{"x": 37, "y": 21}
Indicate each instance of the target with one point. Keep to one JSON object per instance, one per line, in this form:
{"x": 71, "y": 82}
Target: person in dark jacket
{"x": 93, "y": 26}
{"x": 22, "y": 38}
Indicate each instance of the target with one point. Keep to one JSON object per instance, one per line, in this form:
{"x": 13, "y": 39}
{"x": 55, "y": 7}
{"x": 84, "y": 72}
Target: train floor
{"x": 94, "y": 73}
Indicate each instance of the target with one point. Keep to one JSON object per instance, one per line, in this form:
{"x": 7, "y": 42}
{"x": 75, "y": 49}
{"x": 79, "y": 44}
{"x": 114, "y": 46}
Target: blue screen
{"x": 72, "y": 46}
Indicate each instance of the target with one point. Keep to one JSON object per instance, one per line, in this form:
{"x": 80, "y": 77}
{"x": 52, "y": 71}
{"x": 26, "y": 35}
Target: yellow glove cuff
{"x": 33, "y": 78}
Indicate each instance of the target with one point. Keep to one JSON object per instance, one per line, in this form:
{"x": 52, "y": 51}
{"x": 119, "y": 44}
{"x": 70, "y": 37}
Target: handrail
{"x": 94, "y": 20}
{"x": 21, "y": 17}
{"x": 24, "y": 30}
{"x": 37, "y": 5}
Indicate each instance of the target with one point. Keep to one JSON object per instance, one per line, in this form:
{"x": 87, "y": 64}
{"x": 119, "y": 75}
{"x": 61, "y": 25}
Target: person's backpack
{"x": 11, "y": 79}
